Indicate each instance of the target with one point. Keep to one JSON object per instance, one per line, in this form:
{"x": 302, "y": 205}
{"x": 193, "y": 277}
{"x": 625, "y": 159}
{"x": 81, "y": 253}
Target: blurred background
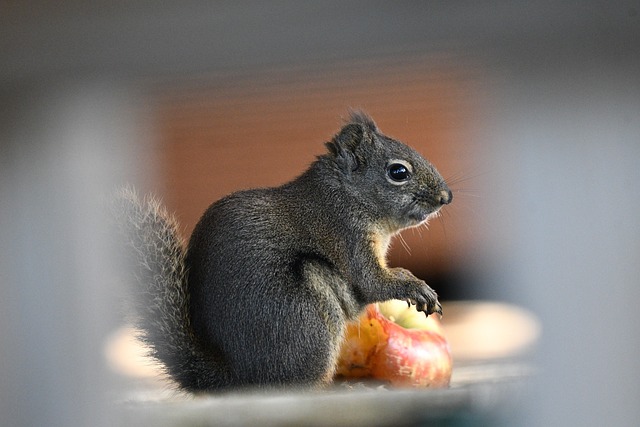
{"x": 530, "y": 110}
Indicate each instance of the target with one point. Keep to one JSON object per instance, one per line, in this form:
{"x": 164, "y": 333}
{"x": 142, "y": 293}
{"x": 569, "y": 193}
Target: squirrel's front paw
{"x": 428, "y": 306}
{"x": 418, "y": 293}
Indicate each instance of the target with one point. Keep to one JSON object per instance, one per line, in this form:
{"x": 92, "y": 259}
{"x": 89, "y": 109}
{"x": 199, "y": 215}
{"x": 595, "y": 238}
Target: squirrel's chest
{"x": 379, "y": 243}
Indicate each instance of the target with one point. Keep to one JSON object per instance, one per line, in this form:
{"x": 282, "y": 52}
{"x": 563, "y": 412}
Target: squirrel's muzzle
{"x": 444, "y": 197}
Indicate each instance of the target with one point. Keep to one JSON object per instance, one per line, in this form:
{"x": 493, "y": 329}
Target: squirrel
{"x": 261, "y": 295}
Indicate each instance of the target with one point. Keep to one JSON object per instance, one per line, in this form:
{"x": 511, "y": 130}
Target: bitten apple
{"x": 396, "y": 343}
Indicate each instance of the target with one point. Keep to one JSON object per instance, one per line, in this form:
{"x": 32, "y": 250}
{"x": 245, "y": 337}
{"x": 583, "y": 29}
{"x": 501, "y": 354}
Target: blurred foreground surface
{"x": 491, "y": 374}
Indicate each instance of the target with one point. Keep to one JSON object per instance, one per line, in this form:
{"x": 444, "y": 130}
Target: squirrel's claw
{"x": 424, "y": 307}
{"x": 438, "y": 309}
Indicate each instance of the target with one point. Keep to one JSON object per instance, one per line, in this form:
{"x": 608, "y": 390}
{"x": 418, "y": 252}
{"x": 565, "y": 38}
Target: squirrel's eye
{"x": 398, "y": 173}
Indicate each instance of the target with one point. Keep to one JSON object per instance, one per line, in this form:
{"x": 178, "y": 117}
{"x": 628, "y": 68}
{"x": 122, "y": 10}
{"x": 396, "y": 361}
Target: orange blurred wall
{"x": 219, "y": 134}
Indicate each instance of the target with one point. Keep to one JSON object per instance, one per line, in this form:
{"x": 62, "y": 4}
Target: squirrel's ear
{"x": 343, "y": 146}
{"x": 363, "y": 119}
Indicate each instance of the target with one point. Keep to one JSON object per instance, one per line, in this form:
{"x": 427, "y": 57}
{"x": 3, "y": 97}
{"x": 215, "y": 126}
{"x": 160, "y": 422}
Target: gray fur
{"x": 271, "y": 276}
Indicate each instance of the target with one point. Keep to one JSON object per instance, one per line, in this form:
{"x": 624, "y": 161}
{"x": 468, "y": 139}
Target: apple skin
{"x": 395, "y": 343}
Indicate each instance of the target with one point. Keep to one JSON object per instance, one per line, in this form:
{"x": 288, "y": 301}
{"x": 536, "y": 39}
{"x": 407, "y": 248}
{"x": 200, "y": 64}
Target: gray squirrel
{"x": 261, "y": 295}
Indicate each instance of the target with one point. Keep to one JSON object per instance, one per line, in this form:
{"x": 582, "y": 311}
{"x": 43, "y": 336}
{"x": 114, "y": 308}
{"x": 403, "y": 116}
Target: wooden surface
{"x": 490, "y": 395}
{"x": 490, "y": 375}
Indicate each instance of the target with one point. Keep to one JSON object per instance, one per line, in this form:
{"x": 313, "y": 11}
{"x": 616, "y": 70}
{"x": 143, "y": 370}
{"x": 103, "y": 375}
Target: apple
{"x": 395, "y": 343}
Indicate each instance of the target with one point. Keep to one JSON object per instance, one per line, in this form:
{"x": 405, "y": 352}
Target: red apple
{"x": 396, "y": 343}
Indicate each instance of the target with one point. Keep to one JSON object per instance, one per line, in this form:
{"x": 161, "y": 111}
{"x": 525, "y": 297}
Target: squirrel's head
{"x": 396, "y": 185}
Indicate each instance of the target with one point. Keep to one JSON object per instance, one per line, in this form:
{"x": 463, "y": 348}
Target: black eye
{"x": 398, "y": 172}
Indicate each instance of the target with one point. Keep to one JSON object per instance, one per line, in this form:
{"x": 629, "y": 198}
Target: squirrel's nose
{"x": 445, "y": 197}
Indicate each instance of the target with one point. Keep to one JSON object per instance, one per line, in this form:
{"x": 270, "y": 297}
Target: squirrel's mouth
{"x": 426, "y": 204}
{"x": 419, "y": 213}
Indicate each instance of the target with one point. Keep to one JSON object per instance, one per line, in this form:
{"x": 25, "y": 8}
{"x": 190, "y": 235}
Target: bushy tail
{"x": 161, "y": 300}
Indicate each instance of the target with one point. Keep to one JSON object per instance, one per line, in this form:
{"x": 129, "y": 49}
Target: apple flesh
{"x": 395, "y": 343}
